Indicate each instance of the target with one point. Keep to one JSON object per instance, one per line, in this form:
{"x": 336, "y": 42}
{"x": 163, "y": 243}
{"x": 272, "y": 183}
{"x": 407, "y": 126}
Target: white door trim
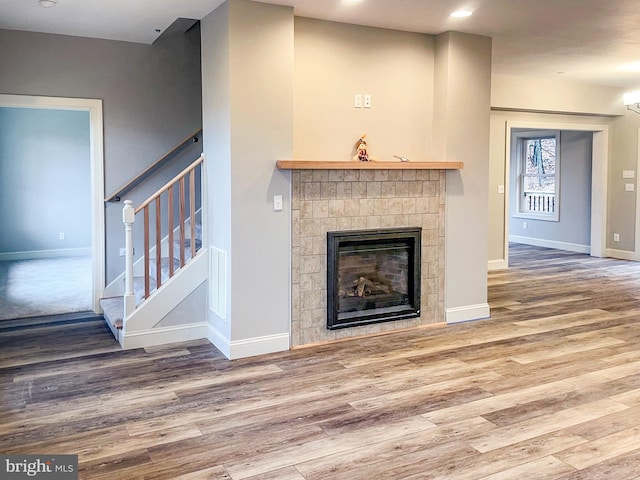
{"x": 599, "y": 169}
{"x": 94, "y": 107}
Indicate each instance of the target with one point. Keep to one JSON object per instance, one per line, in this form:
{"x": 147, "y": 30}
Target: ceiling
{"x": 595, "y": 41}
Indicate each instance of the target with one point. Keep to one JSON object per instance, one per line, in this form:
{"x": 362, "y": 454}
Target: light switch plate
{"x": 628, "y": 174}
{"x": 277, "y": 203}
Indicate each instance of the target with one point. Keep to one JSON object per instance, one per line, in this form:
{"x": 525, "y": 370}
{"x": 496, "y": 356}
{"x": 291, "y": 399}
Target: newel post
{"x": 128, "y": 218}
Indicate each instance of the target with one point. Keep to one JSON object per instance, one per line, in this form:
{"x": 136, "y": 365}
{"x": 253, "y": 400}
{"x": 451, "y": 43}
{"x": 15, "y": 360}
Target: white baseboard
{"x": 620, "y": 254}
{"x": 539, "y": 242}
{"x": 163, "y": 335}
{"x": 35, "y": 254}
{"x": 249, "y": 347}
{"x": 467, "y": 313}
{"x": 500, "y": 264}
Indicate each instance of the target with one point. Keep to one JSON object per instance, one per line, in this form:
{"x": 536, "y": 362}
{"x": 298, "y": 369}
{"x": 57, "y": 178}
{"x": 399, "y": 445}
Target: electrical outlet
{"x": 61, "y": 236}
{"x": 628, "y": 187}
{"x": 525, "y": 225}
{"x": 500, "y": 188}
{"x": 616, "y": 237}
{"x": 123, "y": 252}
{"x": 367, "y": 101}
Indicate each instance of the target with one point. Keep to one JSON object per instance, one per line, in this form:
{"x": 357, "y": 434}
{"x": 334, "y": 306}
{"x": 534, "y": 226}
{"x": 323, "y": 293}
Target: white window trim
{"x": 518, "y": 138}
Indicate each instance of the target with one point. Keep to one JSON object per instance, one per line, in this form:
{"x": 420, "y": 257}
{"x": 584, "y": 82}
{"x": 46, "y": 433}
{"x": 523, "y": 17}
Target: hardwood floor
{"x": 549, "y": 388}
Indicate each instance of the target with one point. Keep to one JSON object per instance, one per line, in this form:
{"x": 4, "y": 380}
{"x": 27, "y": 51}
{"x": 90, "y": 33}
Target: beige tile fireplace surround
{"x": 354, "y": 199}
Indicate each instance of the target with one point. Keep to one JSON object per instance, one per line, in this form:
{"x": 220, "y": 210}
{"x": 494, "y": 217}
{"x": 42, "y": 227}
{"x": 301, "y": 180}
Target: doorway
{"x": 599, "y": 165}
{"x": 93, "y": 213}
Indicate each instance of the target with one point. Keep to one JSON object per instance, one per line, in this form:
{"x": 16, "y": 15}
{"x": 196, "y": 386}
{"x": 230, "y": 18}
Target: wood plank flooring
{"x": 548, "y": 388}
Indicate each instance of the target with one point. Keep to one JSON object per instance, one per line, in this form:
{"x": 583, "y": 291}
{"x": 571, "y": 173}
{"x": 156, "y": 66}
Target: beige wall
{"x": 422, "y": 108}
{"x": 554, "y": 95}
{"x": 335, "y": 61}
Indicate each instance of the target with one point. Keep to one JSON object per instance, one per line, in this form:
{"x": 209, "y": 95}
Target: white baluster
{"x": 128, "y": 218}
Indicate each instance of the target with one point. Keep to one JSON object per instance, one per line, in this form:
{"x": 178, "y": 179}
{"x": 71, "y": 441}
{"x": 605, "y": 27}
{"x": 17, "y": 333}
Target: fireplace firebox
{"x": 372, "y": 276}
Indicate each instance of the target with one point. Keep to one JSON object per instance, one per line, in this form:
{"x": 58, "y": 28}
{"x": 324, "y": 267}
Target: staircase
{"x": 171, "y": 271}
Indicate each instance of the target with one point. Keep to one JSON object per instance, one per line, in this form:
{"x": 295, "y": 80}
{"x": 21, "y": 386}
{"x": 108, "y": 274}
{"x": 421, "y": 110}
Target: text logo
{"x": 50, "y": 467}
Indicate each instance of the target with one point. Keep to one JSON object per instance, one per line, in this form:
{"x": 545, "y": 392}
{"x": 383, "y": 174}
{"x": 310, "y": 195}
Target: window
{"x": 538, "y": 168}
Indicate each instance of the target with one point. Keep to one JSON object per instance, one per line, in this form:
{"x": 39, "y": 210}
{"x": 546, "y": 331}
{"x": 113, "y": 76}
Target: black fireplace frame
{"x": 356, "y": 240}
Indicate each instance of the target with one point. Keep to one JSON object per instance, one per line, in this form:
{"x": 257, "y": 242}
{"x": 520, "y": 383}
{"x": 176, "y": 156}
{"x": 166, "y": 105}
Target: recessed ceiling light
{"x": 461, "y": 14}
{"x": 47, "y": 3}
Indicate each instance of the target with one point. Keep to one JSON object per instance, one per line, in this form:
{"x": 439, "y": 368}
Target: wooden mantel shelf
{"x": 379, "y": 165}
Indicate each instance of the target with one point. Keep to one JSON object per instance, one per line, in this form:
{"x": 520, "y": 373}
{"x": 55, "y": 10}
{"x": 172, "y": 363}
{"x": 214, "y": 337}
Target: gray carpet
{"x": 48, "y": 286}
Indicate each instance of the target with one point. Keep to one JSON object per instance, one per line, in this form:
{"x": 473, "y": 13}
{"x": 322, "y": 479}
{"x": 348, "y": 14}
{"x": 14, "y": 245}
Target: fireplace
{"x": 372, "y": 276}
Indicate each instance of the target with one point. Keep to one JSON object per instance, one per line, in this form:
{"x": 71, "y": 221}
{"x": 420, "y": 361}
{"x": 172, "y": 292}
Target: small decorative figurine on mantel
{"x": 362, "y": 151}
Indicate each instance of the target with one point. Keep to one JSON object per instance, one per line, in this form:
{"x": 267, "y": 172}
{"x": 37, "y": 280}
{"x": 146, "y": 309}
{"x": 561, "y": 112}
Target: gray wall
{"x": 574, "y": 225}
{"x": 248, "y": 125}
{"x": 151, "y": 97}
{"x": 44, "y": 154}
{"x": 461, "y": 133}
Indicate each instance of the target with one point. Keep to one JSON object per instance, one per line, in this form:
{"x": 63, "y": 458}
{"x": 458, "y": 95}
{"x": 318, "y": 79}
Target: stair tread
{"x": 113, "y": 310}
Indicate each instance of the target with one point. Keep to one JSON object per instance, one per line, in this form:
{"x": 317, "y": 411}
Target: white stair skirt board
{"x": 539, "y": 242}
{"x": 467, "y": 313}
{"x": 248, "y": 347}
{"x": 151, "y": 311}
{"x": 164, "y": 335}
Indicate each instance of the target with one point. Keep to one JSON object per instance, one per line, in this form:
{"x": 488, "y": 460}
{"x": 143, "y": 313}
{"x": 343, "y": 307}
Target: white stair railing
{"x": 185, "y": 184}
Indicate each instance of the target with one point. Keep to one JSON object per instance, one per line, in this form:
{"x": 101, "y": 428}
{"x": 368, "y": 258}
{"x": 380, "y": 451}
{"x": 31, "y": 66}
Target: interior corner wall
{"x": 216, "y": 128}
{"x": 255, "y": 130}
{"x": 151, "y": 98}
{"x": 464, "y": 88}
